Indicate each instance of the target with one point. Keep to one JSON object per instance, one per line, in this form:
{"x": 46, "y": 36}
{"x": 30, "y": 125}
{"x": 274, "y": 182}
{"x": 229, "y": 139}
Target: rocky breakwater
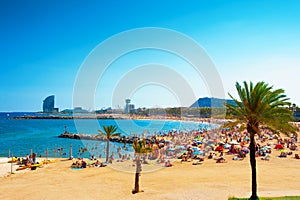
{"x": 119, "y": 139}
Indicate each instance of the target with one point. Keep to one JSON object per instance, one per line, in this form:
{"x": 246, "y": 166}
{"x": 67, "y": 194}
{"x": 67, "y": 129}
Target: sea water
{"x": 23, "y": 136}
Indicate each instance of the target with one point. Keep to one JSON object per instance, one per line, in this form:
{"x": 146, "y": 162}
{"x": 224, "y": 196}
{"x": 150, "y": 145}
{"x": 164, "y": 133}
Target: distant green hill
{"x": 207, "y": 102}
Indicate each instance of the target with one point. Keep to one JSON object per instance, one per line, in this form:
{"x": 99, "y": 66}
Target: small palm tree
{"x": 140, "y": 149}
{"x": 259, "y": 105}
{"x": 109, "y": 132}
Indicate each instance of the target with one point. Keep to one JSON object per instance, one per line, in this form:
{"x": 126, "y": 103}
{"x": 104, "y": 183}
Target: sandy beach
{"x": 210, "y": 180}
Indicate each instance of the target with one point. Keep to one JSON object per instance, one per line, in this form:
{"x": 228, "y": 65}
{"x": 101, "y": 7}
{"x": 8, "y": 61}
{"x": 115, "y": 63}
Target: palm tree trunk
{"x": 137, "y": 175}
{"x": 136, "y": 183}
{"x": 253, "y": 166}
{"x": 107, "y": 150}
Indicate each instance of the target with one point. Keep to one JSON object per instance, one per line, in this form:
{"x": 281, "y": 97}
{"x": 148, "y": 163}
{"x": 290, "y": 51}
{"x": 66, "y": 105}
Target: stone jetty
{"x": 119, "y": 139}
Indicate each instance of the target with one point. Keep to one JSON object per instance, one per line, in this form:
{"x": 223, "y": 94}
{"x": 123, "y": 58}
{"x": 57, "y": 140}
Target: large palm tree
{"x": 257, "y": 106}
{"x": 108, "y": 133}
{"x": 140, "y": 149}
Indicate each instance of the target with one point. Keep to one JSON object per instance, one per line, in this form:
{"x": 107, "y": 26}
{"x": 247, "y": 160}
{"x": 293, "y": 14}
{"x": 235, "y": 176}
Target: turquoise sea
{"x": 38, "y": 135}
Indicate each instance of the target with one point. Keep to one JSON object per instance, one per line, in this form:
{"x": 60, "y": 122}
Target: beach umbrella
{"x": 198, "y": 153}
{"x": 180, "y": 147}
{"x": 264, "y": 148}
{"x": 170, "y": 149}
{"x": 279, "y": 146}
{"x": 219, "y": 148}
{"x": 245, "y": 149}
{"x": 195, "y": 148}
{"x": 198, "y": 142}
{"x": 184, "y": 151}
{"x": 243, "y": 143}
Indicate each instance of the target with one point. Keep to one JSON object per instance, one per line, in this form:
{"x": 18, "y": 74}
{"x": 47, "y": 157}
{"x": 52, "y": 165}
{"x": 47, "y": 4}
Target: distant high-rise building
{"x": 126, "y": 109}
{"x": 129, "y": 108}
{"x": 48, "y": 105}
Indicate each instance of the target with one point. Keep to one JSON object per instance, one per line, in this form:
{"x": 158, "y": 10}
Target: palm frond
{"x": 140, "y": 147}
{"x": 260, "y": 105}
{"x": 109, "y": 132}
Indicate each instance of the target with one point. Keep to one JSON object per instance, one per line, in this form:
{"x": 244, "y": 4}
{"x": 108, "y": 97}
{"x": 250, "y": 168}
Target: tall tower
{"x": 127, "y": 107}
{"x": 48, "y": 104}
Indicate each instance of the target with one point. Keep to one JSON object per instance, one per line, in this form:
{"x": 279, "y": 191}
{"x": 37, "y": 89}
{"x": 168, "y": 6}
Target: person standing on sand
{"x": 34, "y": 158}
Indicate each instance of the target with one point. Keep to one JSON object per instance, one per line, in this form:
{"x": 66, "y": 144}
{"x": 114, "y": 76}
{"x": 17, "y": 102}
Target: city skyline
{"x": 44, "y": 45}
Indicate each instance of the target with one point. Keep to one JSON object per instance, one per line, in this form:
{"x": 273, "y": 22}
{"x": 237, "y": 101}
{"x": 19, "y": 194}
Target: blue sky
{"x": 44, "y": 43}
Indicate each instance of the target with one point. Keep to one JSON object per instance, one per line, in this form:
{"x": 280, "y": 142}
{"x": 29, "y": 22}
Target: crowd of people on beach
{"x": 218, "y": 144}
{"x": 81, "y": 163}
{"x": 198, "y": 145}
{"x": 26, "y": 161}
